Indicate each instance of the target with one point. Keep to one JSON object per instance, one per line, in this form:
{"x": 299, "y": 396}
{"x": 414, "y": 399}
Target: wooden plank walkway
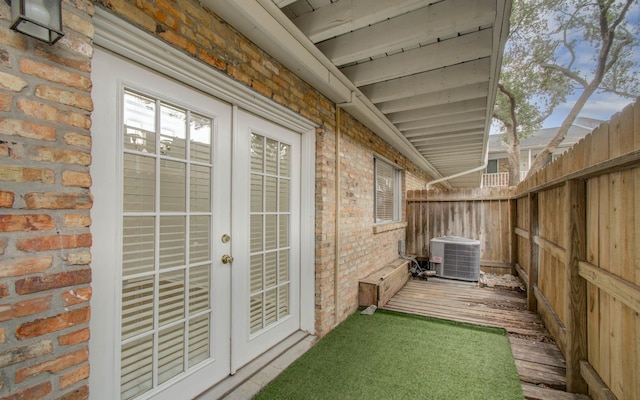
{"x": 540, "y": 363}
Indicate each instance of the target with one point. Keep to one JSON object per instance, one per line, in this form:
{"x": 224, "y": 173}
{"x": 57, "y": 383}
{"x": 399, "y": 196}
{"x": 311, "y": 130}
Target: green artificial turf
{"x": 397, "y": 356}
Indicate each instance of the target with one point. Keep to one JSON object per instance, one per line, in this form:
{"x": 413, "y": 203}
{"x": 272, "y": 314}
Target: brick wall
{"x": 45, "y": 241}
{"x": 45, "y": 200}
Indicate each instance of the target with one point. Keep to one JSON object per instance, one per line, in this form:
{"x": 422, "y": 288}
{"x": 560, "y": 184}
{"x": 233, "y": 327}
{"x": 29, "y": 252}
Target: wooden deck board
{"x": 540, "y": 363}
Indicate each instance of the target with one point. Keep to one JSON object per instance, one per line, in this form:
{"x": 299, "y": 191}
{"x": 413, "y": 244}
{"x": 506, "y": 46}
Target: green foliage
{"x": 558, "y": 48}
{"x": 536, "y": 90}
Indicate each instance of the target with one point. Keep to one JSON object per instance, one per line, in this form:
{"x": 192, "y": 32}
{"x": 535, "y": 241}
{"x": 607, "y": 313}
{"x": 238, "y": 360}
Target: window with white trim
{"x": 387, "y": 194}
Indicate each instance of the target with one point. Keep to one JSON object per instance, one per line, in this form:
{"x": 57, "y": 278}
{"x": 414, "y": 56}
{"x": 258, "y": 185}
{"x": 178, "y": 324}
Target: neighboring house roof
{"x": 539, "y": 139}
{"x": 421, "y": 74}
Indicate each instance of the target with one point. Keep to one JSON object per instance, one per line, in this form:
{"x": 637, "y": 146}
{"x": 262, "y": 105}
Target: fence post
{"x": 533, "y": 252}
{"x": 513, "y": 223}
{"x": 576, "y": 249}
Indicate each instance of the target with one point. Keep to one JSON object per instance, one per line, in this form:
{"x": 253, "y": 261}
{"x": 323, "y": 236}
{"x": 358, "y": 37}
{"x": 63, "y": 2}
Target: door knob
{"x": 227, "y": 259}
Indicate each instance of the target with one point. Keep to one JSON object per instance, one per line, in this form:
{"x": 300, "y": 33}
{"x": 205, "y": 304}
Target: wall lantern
{"x": 41, "y": 19}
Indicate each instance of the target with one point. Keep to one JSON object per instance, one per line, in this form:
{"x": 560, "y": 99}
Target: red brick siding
{"x": 45, "y": 121}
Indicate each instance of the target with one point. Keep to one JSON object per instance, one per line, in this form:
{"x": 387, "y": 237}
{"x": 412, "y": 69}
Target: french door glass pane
{"x": 139, "y": 123}
{"x": 270, "y": 269}
{"x": 270, "y": 232}
{"x": 138, "y": 245}
{"x": 172, "y": 241}
{"x": 283, "y": 300}
{"x": 257, "y": 192}
{"x": 271, "y": 307}
{"x": 137, "y": 306}
{"x": 269, "y": 245}
{"x": 136, "y": 369}
{"x": 200, "y": 133}
{"x": 166, "y": 249}
{"x": 139, "y": 183}
{"x": 272, "y": 157}
{"x": 170, "y": 352}
{"x": 199, "y": 285}
{"x": 256, "y": 273}
{"x": 200, "y": 238}
{"x": 172, "y": 186}
{"x": 285, "y": 159}
{"x": 255, "y": 313}
{"x": 284, "y": 195}
{"x": 171, "y": 297}
{"x": 257, "y": 153}
{"x": 200, "y": 179}
{"x": 283, "y": 231}
{"x": 199, "y": 347}
{"x": 256, "y": 233}
{"x": 271, "y": 194}
{"x": 173, "y": 131}
{"x": 283, "y": 273}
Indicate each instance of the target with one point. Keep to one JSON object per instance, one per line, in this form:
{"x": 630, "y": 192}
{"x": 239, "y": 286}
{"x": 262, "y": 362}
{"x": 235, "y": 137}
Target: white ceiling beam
{"x": 425, "y": 25}
{"x": 349, "y": 15}
{"x": 443, "y": 121}
{"x": 457, "y": 165}
{"x": 439, "y": 156}
{"x": 449, "y": 136}
{"x": 431, "y": 81}
{"x": 461, "y": 127}
{"x": 451, "y": 146}
{"x": 443, "y": 158}
{"x": 283, "y": 3}
{"x": 446, "y": 96}
{"x": 439, "y": 110}
{"x": 426, "y": 58}
{"x": 468, "y": 158}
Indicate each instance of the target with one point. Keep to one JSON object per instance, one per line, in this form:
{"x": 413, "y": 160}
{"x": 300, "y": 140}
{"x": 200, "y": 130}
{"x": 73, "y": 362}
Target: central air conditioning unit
{"x": 456, "y": 257}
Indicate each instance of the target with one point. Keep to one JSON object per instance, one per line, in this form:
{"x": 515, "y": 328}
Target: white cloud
{"x": 600, "y": 106}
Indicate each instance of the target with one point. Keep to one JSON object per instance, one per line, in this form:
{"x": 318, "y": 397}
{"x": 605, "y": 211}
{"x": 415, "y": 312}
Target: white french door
{"x": 266, "y": 216}
{"x": 194, "y": 275}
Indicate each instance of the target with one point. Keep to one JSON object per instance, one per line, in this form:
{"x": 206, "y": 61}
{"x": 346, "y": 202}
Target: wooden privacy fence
{"x": 573, "y": 234}
{"x": 578, "y": 250}
{"x": 470, "y": 213}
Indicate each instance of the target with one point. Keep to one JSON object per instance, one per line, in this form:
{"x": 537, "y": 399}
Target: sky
{"x": 600, "y": 105}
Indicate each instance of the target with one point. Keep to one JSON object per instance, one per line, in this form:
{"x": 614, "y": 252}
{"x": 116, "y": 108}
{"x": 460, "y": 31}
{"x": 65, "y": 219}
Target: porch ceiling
{"x": 420, "y": 74}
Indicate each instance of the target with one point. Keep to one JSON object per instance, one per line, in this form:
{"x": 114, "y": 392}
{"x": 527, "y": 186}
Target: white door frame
{"x": 118, "y": 36}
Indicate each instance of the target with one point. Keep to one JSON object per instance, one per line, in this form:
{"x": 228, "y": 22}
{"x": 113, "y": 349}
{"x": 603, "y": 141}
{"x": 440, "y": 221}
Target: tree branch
{"x": 615, "y": 52}
{"x": 512, "y": 110}
{"x": 621, "y": 16}
{"x": 566, "y": 72}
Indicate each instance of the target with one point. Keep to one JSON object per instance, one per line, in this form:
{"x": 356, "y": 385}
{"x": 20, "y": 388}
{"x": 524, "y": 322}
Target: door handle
{"x": 227, "y": 259}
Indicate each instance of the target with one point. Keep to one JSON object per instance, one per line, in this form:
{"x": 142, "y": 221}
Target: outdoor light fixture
{"x": 41, "y": 19}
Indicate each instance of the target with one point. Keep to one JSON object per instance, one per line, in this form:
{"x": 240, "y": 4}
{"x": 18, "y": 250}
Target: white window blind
{"x": 166, "y": 254}
{"x": 270, "y": 240}
{"x": 387, "y": 192}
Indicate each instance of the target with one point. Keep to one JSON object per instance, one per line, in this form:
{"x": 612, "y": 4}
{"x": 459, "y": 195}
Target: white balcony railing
{"x": 499, "y": 179}
{"x": 494, "y": 180}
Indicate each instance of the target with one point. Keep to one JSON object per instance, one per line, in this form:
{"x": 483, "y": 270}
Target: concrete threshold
{"x": 251, "y": 378}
